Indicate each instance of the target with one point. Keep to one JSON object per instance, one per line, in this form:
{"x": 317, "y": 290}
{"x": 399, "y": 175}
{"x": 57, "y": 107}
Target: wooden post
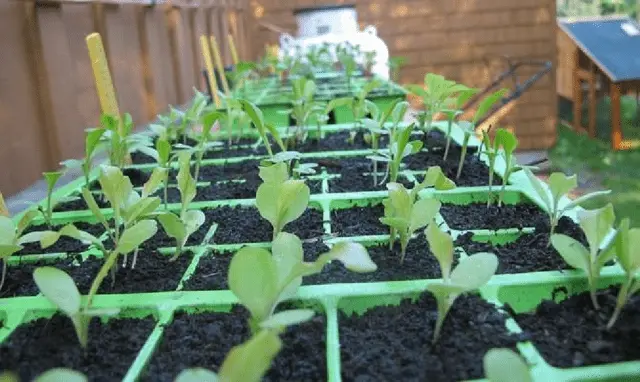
{"x": 206, "y": 53}
{"x": 616, "y": 120}
{"x": 592, "y": 100}
{"x": 232, "y": 47}
{"x": 577, "y": 94}
{"x": 216, "y": 57}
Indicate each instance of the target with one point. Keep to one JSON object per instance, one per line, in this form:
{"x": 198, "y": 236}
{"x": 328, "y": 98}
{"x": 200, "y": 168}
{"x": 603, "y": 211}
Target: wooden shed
{"x": 599, "y": 61}
{"x": 465, "y": 40}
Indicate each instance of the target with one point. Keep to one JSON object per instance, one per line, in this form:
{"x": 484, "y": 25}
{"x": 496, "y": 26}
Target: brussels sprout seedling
{"x": 491, "y": 151}
{"x": 180, "y": 227}
{"x": 470, "y": 274}
{"x": 261, "y": 280}
{"x": 404, "y": 214}
{"x": 504, "y": 365}
{"x": 376, "y": 126}
{"x": 399, "y": 148}
{"x": 559, "y": 186}
{"x": 119, "y": 141}
{"x": 92, "y": 142}
{"x": 247, "y": 362}
{"x": 59, "y": 288}
{"x": 596, "y": 225}
{"x": 257, "y": 118}
{"x": 281, "y": 200}
{"x": 629, "y": 258}
{"x": 51, "y": 178}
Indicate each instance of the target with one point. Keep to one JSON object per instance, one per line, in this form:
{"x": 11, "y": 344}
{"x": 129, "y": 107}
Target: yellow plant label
{"x": 102, "y": 76}
{"x": 232, "y": 47}
{"x": 206, "y": 53}
{"x": 216, "y": 56}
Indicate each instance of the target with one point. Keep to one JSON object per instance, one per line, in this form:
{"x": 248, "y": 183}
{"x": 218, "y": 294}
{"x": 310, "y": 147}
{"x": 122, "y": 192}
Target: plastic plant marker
{"x": 206, "y": 53}
{"x": 102, "y": 77}
{"x": 216, "y": 57}
{"x": 232, "y": 48}
{"x": 504, "y": 365}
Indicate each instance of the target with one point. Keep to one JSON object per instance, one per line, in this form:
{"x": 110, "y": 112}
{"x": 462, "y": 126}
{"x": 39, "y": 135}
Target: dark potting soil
{"x": 394, "y": 342}
{"x": 242, "y": 224}
{"x": 340, "y": 141}
{"x": 45, "y": 343}
{"x": 474, "y": 172}
{"x": 212, "y": 271}
{"x": 352, "y": 178}
{"x": 358, "y": 221}
{"x": 226, "y": 171}
{"x": 418, "y": 264}
{"x": 79, "y": 204}
{"x": 64, "y": 244}
{"x": 530, "y": 252}
{"x": 478, "y": 216}
{"x": 204, "y": 339}
{"x": 572, "y": 333}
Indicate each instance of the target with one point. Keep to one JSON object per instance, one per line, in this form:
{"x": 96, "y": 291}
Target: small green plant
{"x": 360, "y": 105}
{"x": 163, "y": 158}
{"x": 395, "y": 63}
{"x": 261, "y": 280}
{"x": 508, "y": 142}
{"x": 491, "y": 150}
{"x": 596, "y": 225}
{"x": 470, "y": 274}
{"x": 119, "y": 141}
{"x": 346, "y": 57}
{"x": 629, "y": 258}
{"x": 559, "y": 186}
{"x": 192, "y": 115}
{"x": 234, "y": 116}
{"x": 181, "y": 226}
{"x": 59, "y": 288}
{"x": 247, "y": 362}
{"x": 281, "y": 200}
{"x": 505, "y": 365}
{"x": 51, "y": 178}
{"x": 399, "y": 148}
{"x": 204, "y": 139}
{"x": 376, "y": 126}
{"x": 451, "y": 113}
{"x": 257, "y": 118}
{"x": 92, "y": 143}
{"x": 405, "y": 214}
{"x": 469, "y": 128}
{"x": 302, "y": 108}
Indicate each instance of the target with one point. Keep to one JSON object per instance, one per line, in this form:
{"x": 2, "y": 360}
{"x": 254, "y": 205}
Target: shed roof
{"x": 613, "y": 43}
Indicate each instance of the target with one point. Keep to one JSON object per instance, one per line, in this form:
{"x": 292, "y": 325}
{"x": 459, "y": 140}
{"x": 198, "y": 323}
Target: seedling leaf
{"x": 504, "y": 365}
{"x": 286, "y": 318}
{"x": 135, "y": 235}
{"x": 59, "y": 288}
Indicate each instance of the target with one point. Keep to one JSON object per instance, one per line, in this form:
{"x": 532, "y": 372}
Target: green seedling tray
{"x": 522, "y": 291}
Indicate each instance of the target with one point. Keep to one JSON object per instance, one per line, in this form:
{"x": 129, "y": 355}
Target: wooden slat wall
{"x": 453, "y": 38}
{"x": 566, "y": 58}
{"x": 47, "y": 92}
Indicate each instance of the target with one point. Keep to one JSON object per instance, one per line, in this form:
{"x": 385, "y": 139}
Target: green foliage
{"x": 453, "y": 110}
{"x": 628, "y": 256}
{"x": 399, "y": 147}
{"x": 596, "y": 225}
{"x": 470, "y": 274}
{"x": 120, "y": 141}
{"x": 257, "y": 118}
{"x": 247, "y": 362}
{"x": 261, "y": 280}
{"x": 181, "y": 226}
{"x": 92, "y": 143}
{"x": 59, "y": 288}
{"x": 376, "y": 126}
{"x": 505, "y": 365}
{"x": 405, "y": 214}
{"x": 60, "y": 374}
{"x": 559, "y": 187}
{"x": 51, "y": 178}
{"x": 395, "y": 63}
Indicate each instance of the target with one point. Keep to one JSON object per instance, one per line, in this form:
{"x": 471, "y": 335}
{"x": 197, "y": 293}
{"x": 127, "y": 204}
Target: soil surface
{"x": 204, "y": 339}
{"x": 395, "y": 342}
{"x": 64, "y": 244}
{"x": 242, "y": 224}
{"x": 573, "y": 334}
{"x": 530, "y": 252}
{"x": 352, "y": 177}
{"x": 479, "y": 216}
{"x": 358, "y": 221}
{"x": 45, "y": 343}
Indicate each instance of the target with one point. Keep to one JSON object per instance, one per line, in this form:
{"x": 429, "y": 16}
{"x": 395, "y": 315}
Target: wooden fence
{"x": 460, "y": 39}
{"x": 47, "y": 92}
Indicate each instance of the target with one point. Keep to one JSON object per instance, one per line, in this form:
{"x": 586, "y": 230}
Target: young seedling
{"x": 395, "y": 63}
{"x": 508, "y": 142}
{"x": 505, "y": 365}
{"x": 51, "y": 178}
{"x": 405, "y": 214}
{"x": 596, "y": 225}
{"x": 247, "y": 362}
{"x": 469, "y": 128}
{"x": 360, "y": 105}
{"x": 399, "y": 148}
{"x": 559, "y": 187}
{"x": 470, "y": 274}
{"x": 92, "y": 142}
{"x": 629, "y": 258}
{"x": 181, "y": 226}
{"x": 261, "y": 280}
{"x": 302, "y": 108}
{"x": 490, "y": 149}
{"x": 451, "y": 113}
{"x": 281, "y": 200}
{"x": 59, "y": 288}
{"x": 204, "y": 139}
{"x": 349, "y": 64}
{"x": 376, "y": 127}
{"x": 119, "y": 140}
{"x": 192, "y": 115}
{"x": 257, "y": 118}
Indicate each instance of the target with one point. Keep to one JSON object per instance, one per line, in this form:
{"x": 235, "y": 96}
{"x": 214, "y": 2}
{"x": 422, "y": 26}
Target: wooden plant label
{"x": 216, "y": 56}
{"x": 102, "y": 76}
{"x": 206, "y": 53}
{"x": 232, "y": 47}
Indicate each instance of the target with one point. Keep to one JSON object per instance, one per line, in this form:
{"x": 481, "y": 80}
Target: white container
{"x": 318, "y": 21}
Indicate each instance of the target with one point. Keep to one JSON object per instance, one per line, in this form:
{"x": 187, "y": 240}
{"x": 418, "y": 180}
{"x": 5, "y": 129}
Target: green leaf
{"x": 46, "y": 238}
{"x": 91, "y": 142}
{"x": 276, "y": 173}
{"x": 7, "y": 230}
{"x": 475, "y": 271}
{"x": 504, "y": 365}
{"x": 399, "y": 111}
{"x": 142, "y": 208}
{"x": 584, "y": 198}
{"x": 625, "y": 242}
{"x": 163, "y": 147}
{"x": 338, "y": 102}
{"x": 253, "y": 279}
{"x": 507, "y": 140}
{"x": 441, "y": 246}
{"x": 400, "y": 224}
{"x": 197, "y": 374}
{"x": 172, "y": 225}
{"x": 137, "y": 234}
{"x": 25, "y": 221}
{"x": 596, "y": 224}
{"x": 93, "y": 206}
{"x": 286, "y": 156}
{"x": 51, "y": 178}
{"x": 7, "y": 250}
{"x": 59, "y": 288}
{"x": 193, "y": 220}
{"x": 540, "y": 189}
{"x": 291, "y": 200}
{"x": 157, "y": 178}
{"x": 61, "y": 374}
{"x": 115, "y": 186}
{"x": 186, "y": 183}
{"x": 254, "y": 113}
{"x": 249, "y": 361}
{"x": 423, "y": 212}
{"x": 560, "y": 184}
{"x": 488, "y": 102}
{"x": 417, "y": 90}
{"x": 572, "y": 251}
{"x": 353, "y": 256}
{"x": 288, "y": 254}
{"x": 287, "y": 318}
{"x": 71, "y": 231}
